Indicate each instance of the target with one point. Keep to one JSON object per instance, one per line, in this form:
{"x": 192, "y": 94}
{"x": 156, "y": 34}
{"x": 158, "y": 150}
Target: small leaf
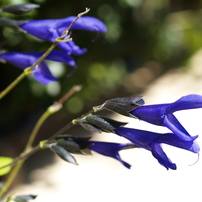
{"x": 19, "y": 9}
{"x": 3, "y": 162}
{"x": 63, "y": 154}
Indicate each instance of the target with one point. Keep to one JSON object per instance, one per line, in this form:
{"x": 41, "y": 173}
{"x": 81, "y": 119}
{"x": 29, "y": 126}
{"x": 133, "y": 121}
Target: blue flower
{"x": 152, "y": 141}
{"x": 162, "y": 114}
{"x": 41, "y": 72}
{"x": 51, "y": 29}
{"x": 111, "y": 149}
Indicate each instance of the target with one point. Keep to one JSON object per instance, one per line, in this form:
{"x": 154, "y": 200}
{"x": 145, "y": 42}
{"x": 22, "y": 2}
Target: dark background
{"x": 145, "y": 39}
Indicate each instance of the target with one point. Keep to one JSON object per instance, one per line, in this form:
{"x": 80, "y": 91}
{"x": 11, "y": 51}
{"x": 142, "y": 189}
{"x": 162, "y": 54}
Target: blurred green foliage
{"x": 139, "y": 31}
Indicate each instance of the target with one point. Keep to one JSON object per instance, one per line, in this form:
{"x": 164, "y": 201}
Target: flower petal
{"x": 43, "y": 29}
{"x": 150, "y": 113}
{"x": 19, "y": 59}
{"x": 110, "y": 149}
{"x": 161, "y": 156}
{"x": 174, "y": 125}
{"x": 59, "y": 56}
{"x": 71, "y": 48}
{"x": 88, "y": 23}
{"x": 151, "y": 141}
{"x": 43, "y": 74}
{"x": 174, "y": 140}
{"x": 51, "y": 29}
{"x": 191, "y": 101}
{"x": 140, "y": 138}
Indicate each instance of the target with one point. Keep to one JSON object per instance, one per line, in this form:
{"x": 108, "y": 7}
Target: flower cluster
{"x": 161, "y": 114}
{"x": 48, "y": 30}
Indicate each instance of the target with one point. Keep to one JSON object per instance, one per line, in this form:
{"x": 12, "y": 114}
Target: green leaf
{"x": 3, "y": 162}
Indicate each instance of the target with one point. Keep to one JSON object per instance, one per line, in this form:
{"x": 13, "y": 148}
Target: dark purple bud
{"x": 73, "y": 145}
{"x": 95, "y": 123}
{"x": 90, "y": 128}
{"x": 14, "y": 24}
{"x": 19, "y": 9}
{"x": 63, "y": 153}
{"x": 24, "y": 198}
{"x": 121, "y": 105}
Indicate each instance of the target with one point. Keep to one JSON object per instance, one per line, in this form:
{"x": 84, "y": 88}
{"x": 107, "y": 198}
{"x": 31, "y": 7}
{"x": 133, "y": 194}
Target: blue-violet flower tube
{"x": 111, "y": 149}
{"x": 152, "y": 141}
{"x": 41, "y": 72}
{"x": 162, "y": 114}
{"x": 51, "y": 29}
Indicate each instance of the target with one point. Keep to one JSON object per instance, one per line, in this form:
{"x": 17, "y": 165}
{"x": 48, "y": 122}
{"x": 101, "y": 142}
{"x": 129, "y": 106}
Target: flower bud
{"x": 14, "y": 24}
{"x": 72, "y": 144}
{"x": 19, "y": 9}
{"x": 98, "y": 124}
{"x": 63, "y": 153}
{"x": 121, "y": 105}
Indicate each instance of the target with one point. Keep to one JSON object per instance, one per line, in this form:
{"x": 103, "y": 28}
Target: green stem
{"x": 11, "y": 177}
{"x": 28, "y": 150}
{"x": 19, "y": 164}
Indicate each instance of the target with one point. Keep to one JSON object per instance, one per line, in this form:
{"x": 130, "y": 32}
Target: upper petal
{"x": 20, "y": 59}
{"x": 191, "y": 101}
{"x": 43, "y": 29}
{"x": 150, "y": 113}
{"x": 52, "y": 28}
{"x": 140, "y": 138}
{"x": 85, "y": 23}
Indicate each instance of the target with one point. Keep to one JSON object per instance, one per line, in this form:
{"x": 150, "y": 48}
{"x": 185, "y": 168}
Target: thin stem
{"x": 36, "y": 129}
{"x": 69, "y": 93}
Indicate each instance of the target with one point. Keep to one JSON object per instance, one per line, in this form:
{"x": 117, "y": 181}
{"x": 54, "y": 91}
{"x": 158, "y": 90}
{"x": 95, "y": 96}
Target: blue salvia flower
{"x": 152, "y": 141}
{"x": 51, "y": 29}
{"x": 111, "y": 149}
{"x": 41, "y": 72}
{"x": 162, "y": 114}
